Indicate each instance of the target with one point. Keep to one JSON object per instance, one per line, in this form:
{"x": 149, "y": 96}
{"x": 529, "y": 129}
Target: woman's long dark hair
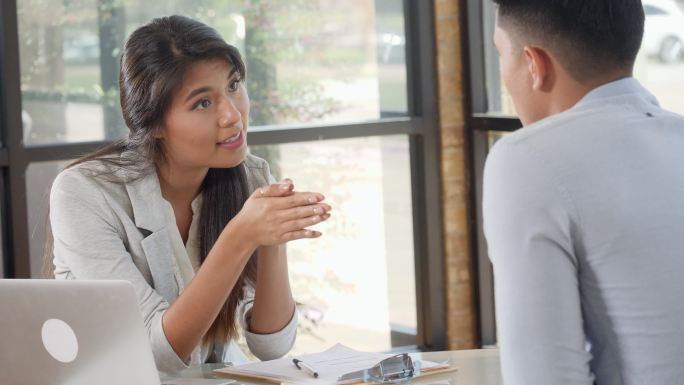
{"x": 154, "y": 61}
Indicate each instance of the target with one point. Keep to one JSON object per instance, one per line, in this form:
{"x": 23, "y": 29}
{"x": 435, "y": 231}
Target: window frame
{"x": 482, "y": 64}
{"x": 420, "y": 125}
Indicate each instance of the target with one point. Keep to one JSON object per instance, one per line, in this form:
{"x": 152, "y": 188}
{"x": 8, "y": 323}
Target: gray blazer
{"x": 108, "y": 230}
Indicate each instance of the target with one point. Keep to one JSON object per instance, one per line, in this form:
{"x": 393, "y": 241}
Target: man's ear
{"x": 539, "y": 66}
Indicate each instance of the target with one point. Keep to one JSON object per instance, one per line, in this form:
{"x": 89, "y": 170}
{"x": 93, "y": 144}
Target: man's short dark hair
{"x": 589, "y": 37}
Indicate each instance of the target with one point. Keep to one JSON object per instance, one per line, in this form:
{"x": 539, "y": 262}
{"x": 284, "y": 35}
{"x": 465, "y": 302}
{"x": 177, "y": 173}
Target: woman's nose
{"x": 229, "y": 115}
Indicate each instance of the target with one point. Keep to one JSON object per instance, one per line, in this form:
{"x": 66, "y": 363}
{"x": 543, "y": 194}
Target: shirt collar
{"x": 622, "y": 87}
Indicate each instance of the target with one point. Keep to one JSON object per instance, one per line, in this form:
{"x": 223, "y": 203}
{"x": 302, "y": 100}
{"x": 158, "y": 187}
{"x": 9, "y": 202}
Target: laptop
{"x": 75, "y": 333}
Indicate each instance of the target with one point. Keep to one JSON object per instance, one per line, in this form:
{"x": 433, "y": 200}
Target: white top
{"x": 584, "y": 218}
{"x": 187, "y": 258}
{"x": 106, "y": 229}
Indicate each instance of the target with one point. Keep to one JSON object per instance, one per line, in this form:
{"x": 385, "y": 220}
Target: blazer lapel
{"x": 160, "y": 258}
{"x": 149, "y": 214}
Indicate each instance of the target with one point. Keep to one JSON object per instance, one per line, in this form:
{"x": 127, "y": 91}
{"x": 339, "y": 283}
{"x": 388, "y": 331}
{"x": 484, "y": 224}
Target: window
{"x": 39, "y": 177}
{"x": 338, "y": 104}
{"x": 661, "y": 59}
{"x": 651, "y": 10}
{"x": 355, "y": 281}
{"x": 367, "y": 180}
{"x": 308, "y": 61}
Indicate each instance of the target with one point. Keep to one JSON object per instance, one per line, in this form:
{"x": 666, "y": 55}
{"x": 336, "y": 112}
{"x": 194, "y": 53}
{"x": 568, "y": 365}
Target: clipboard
{"x": 329, "y": 364}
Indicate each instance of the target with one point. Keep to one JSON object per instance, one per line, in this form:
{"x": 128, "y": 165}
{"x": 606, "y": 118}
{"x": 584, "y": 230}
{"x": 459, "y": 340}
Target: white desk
{"x": 474, "y": 367}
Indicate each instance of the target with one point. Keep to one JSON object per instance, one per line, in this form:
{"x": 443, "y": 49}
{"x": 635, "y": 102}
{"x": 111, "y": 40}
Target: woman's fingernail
{"x": 317, "y": 210}
{"x": 313, "y": 199}
{"x": 285, "y": 186}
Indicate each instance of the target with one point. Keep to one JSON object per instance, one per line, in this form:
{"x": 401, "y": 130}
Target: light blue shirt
{"x": 584, "y": 218}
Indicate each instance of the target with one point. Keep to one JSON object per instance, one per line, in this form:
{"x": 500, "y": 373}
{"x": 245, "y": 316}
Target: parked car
{"x": 664, "y": 30}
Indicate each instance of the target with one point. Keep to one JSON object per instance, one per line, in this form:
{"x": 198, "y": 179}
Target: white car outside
{"x": 664, "y": 30}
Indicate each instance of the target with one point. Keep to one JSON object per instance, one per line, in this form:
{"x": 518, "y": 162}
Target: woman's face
{"x": 206, "y": 123}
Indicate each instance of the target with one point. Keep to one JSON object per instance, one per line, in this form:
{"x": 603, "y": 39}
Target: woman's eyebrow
{"x": 197, "y": 92}
{"x": 200, "y": 90}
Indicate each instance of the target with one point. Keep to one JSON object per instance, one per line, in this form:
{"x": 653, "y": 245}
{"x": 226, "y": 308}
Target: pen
{"x": 301, "y": 365}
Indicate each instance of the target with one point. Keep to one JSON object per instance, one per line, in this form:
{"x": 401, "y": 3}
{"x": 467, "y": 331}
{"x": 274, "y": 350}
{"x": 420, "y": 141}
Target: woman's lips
{"x": 233, "y": 142}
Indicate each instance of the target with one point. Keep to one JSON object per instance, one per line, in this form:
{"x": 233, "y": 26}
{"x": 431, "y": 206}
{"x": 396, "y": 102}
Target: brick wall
{"x": 459, "y": 271}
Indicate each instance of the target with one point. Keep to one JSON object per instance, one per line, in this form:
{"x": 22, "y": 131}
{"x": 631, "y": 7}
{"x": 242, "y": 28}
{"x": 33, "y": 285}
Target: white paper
{"x": 329, "y": 365}
{"x": 195, "y": 381}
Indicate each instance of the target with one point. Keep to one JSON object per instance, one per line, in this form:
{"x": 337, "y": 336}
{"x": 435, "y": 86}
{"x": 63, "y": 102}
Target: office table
{"x": 474, "y": 367}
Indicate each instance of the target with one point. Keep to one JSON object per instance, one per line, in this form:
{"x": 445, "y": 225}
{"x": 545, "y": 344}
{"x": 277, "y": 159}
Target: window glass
{"x": 659, "y": 65}
{"x": 499, "y": 101}
{"x": 357, "y": 283}
{"x": 309, "y": 61}
{"x": 39, "y": 177}
{"x": 651, "y": 10}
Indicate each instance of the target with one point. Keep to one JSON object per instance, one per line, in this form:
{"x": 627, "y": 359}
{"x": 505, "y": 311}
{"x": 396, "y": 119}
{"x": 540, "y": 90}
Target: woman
{"x": 181, "y": 210}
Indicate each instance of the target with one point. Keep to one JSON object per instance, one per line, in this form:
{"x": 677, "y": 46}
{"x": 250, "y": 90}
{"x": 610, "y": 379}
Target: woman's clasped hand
{"x": 276, "y": 214}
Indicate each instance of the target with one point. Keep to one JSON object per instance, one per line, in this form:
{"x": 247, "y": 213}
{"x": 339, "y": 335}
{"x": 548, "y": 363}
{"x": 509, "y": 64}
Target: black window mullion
{"x": 483, "y": 81}
{"x": 425, "y": 174}
{"x": 280, "y": 134}
{"x": 485, "y": 272}
{"x": 495, "y": 123}
{"x": 259, "y": 136}
{"x": 16, "y": 246}
{"x": 477, "y": 82}
{"x": 49, "y": 153}
{"x": 4, "y": 157}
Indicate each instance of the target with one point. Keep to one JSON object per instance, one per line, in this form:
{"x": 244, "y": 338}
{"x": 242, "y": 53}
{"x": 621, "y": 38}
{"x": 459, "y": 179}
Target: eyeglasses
{"x": 393, "y": 369}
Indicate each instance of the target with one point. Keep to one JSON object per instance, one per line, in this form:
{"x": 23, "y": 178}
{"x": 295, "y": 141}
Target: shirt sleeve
{"x": 274, "y": 345}
{"x": 529, "y": 226}
{"x": 258, "y": 173}
{"x": 88, "y": 243}
{"x": 267, "y": 346}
